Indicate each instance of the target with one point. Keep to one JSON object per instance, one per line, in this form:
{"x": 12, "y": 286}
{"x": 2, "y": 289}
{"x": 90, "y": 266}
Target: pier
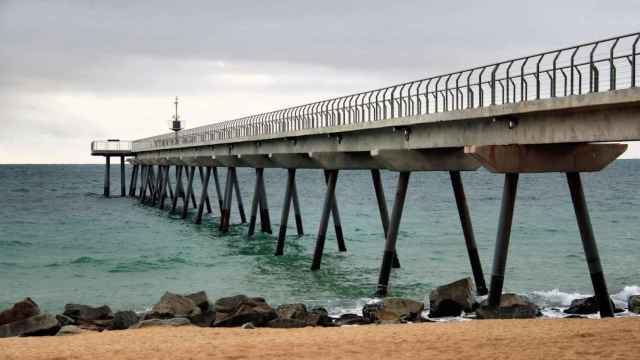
{"x": 564, "y": 110}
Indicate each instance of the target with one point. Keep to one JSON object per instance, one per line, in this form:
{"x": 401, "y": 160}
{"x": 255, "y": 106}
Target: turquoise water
{"x": 61, "y": 241}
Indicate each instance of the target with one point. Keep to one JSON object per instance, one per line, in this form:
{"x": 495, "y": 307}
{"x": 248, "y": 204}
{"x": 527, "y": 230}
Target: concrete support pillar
{"x": 392, "y": 233}
{"x": 204, "y": 197}
{"x": 502, "y": 239}
{"x": 332, "y": 178}
{"x": 467, "y": 230}
{"x": 589, "y": 244}
{"x": 123, "y": 190}
{"x": 284, "y": 219}
{"x": 107, "y": 176}
{"x": 382, "y": 207}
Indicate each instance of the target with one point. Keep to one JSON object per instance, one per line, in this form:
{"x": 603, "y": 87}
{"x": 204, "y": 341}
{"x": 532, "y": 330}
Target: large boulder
{"x": 282, "y": 323}
{"x": 451, "y": 299}
{"x": 394, "y": 309}
{"x": 123, "y": 320}
{"x": 292, "y": 311}
{"x": 318, "y": 317}
{"x": 350, "y": 319}
{"x": 161, "y": 322}
{"x": 204, "y": 319}
{"x": 174, "y": 306}
{"x": 89, "y": 317}
{"x": 239, "y": 310}
{"x": 21, "y": 310}
{"x": 634, "y": 304}
{"x": 586, "y": 306}
{"x": 38, "y": 325}
{"x": 512, "y": 306}
{"x": 201, "y": 300}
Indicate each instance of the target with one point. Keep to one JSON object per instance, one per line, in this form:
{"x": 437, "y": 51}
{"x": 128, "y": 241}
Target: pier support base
{"x": 467, "y": 230}
{"x": 265, "y": 218}
{"x": 226, "y": 203}
{"x": 123, "y": 190}
{"x": 392, "y": 234}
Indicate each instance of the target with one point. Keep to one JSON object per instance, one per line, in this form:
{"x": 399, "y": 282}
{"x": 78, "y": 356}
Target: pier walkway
{"x": 556, "y": 111}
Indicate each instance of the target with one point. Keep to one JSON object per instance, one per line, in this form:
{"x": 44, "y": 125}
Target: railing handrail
{"x": 537, "y": 74}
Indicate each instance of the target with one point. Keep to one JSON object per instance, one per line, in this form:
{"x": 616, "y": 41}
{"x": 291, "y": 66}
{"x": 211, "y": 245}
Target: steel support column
{"x": 190, "y": 173}
{"x": 467, "y": 230}
{"x": 202, "y": 181}
{"x": 286, "y": 207}
{"x": 236, "y": 187}
{"x": 296, "y": 209}
{"x": 176, "y": 193}
{"x": 392, "y": 234}
{"x": 589, "y": 244}
{"x": 107, "y": 176}
{"x": 226, "y": 204}
{"x": 502, "y": 238}
{"x": 332, "y": 177}
{"x": 337, "y": 224}
{"x": 254, "y": 205}
{"x": 265, "y": 218}
{"x": 123, "y": 190}
{"x": 204, "y": 197}
{"x": 382, "y": 207}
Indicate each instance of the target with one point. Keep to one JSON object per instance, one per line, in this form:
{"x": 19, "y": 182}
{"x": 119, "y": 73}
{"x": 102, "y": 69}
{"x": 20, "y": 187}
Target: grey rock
{"x": 586, "y": 306}
{"x": 161, "y": 322}
{"x": 172, "y": 306}
{"x": 124, "y": 319}
{"x": 65, "y": 320}
{"x": 238, "y": 310}
{"x": 350, "y": 319}
{"x": 292, "y": 311}
{"x": 281, "y": 323}
{"x": 634, "y": 303}
{"x": 86, "y": 313}
{"x": 393, "y": 309}
{"x": 205, "y": 319}
{"x": 21, "y": 310}
{"x": 201, "y": 300}
{"x": 512, "y": 306}
{"x": 318, "y": 317}
{"x": 70, "y": 330}
{"x": 451, "y": 299}
{"x": 39, "y": 325}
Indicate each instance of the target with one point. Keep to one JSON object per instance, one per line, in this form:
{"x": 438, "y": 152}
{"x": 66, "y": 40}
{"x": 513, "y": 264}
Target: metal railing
{"x": 115, "y": 146}
{"x": 562, "y": 72}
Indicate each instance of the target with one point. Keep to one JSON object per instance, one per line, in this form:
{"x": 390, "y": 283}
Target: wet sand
{"x": 487, "y": 339}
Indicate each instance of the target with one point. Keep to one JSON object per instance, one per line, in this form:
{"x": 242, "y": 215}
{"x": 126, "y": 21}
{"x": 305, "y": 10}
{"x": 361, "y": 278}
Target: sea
{"x": 62, "y": 242}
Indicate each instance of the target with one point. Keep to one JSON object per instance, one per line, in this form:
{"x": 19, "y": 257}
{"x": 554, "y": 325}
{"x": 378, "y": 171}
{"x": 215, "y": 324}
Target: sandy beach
{"x": 487, "y": 339}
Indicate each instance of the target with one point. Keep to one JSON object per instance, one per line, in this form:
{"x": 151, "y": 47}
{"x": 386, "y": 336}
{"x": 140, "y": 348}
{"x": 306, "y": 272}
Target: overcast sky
{"x": 73, "y": 71}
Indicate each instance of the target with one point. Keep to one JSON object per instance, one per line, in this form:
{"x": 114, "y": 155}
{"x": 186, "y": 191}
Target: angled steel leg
{"x": 236, "y": 187}
{"x": 392, "y": 234}
{"x": 589, "y": 244}
{"x": 143, "y": 182}
{"x": 337, "y": 224}
{"x": 202, "y": 180}
{"x": 296, "y": 209}
{"x": 132, "y": 180}
{"x": 286, "y": 207}
{"x": 123, "y": 191}
{"x": 216, "y": 180}
{"x": 265, "y": 218}
{"x": 332, "y": 177}
{"x": 382, "y": 207}
{"x": 467, "y": 229}
{"x": 204, "y": 196}
{"x": 163, "y": 187}
{"x": 107, "y": 176}
{"x": 178, "y": 190}
{"x": 502, "y": 239}
{"x": 190, "y": 172}
{"x": 226, "y": 204}
{"x": 254, "y": 207}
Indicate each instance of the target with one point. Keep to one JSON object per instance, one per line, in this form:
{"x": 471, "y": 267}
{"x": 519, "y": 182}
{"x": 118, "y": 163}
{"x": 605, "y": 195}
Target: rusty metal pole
{"x": 286, "y": 207}
{"x": 589, "y": 244}
{"x": 502, "y": 239}
{"x": 382, "y": 207}
{"x": 332, "y": 177}
{"x": 392, "y": 233}
{"x": 467, "y": 230}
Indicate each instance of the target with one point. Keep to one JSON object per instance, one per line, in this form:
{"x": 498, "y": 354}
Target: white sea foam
{"x": 555, "y": 297}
